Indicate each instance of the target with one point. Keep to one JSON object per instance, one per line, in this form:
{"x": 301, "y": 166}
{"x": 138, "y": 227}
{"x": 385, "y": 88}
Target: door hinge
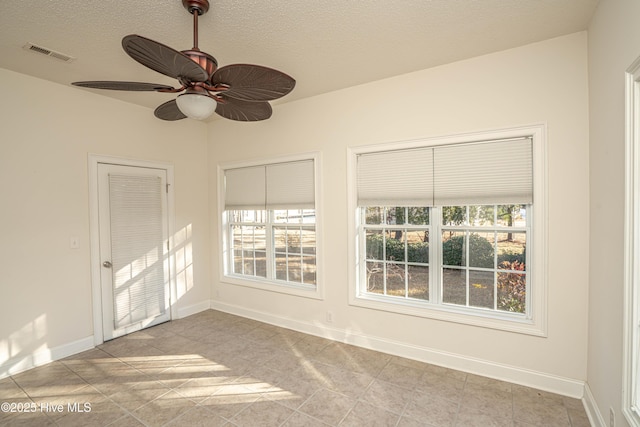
{"x": 168, "y": 188}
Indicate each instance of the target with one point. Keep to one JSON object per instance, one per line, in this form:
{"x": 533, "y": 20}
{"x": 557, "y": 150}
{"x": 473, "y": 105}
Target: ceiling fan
{"x": 237, "y": 92}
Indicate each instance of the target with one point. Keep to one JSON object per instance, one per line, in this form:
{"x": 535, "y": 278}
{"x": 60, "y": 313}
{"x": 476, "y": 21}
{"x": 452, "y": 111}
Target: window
{"x": 479, "y": 255}
{"x": 452, "y": 228}
{"x": 291, "y": 248}
{"x": 269, "y": 226}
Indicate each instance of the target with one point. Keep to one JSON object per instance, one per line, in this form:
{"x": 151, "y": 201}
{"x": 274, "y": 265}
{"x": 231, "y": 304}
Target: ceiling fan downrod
{"x": 196, "y": 8}
{"x": 206, "y": 61}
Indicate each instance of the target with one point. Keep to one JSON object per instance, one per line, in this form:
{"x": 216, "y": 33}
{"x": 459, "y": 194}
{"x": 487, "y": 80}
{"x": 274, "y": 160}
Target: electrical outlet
{"x": 612, "y": 418}
{"x": 329, "y": 317}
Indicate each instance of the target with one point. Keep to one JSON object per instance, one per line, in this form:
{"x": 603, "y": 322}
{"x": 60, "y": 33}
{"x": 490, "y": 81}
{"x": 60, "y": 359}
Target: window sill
{"x": 479, "y": 317}
{"x": 299, "y": 290}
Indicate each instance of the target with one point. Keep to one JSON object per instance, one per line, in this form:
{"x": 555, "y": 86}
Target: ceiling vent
{"x": 51, "y": 53}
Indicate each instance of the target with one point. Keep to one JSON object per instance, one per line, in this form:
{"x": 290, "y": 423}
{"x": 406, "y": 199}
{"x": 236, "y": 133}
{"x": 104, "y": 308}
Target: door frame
{"x": 94, "y": 230}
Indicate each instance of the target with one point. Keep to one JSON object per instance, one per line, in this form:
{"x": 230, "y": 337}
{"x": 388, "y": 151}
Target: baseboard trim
{"x": 41, "y": 357}
{"x": 193, "y": 309}
{"x": 591, "y": 408}
{"x": 552, "y": 383}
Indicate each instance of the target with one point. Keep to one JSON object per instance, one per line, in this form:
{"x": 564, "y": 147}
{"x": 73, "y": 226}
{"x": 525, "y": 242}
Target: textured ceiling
{"x": 325, "y": 45}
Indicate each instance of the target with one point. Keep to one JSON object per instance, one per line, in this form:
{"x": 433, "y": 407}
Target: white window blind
{"x": 291, "y": 185}
{"x": 495, "y": 172}
{"x": 245, "y": 188}
{"x": 287, "y": 185}
{"x": 137, "y": 248}
{"x": 396, "y": 178}
{"x": 499, "y": 172}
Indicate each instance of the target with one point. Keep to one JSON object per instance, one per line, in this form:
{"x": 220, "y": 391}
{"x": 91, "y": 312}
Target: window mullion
{"x": 435, "y": 255}
{"x": 495, "y": 266}
{"x": 270, "y": 245}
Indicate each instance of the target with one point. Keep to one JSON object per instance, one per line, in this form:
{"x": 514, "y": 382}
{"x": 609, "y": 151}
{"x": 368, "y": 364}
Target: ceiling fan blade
{"x": 243, "y": 111}
{"x": 163, "y": 59}
{"x": 253, "y": 82}
{"x": 133, "y": 86}
{"x": 169, "y": 111}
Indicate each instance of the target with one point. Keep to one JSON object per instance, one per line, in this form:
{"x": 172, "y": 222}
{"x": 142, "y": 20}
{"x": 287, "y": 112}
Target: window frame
{"x": 631, "y": 319}
{"x": 536, "y": 321}
{"x": 226, "y": 274}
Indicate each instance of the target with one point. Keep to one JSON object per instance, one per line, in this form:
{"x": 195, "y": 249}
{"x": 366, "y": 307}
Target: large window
{"x": 453, "y": 228}
{"x": 269, "y": 226}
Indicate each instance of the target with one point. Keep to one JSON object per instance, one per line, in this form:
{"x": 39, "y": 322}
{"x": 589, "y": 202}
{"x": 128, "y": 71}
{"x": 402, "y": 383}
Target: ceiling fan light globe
{"x": 195, "y": 106}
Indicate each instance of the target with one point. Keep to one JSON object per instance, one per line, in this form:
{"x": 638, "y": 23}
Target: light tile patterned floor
{"x": 216, "y": 369}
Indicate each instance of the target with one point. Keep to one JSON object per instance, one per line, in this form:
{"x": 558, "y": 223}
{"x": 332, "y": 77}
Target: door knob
{"x": 106, "y": 264}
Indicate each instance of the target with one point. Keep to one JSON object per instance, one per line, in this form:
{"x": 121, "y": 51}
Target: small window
{"x": 277, "y": 245}
{"x": 270, "y": 230}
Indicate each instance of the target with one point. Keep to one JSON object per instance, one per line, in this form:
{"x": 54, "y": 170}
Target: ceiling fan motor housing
{"x": 203, "y": 59}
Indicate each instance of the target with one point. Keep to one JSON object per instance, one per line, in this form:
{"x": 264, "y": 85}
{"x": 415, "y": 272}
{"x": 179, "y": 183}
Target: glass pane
{"x": 248, "y": 263}
{"x": 309, "y": 270}
{"x": 418, "y": 286}
{"x": 418, "y": 246}
{"x": 375, "y": 277}
{"x": 481, "y": 250}
{"x": 512, "y": 251}
{"x": 511, "y": 215}
{"x": 252, "y": 216}
{"x": 454, "y": 248}
{"x": 247, "y": 236}
{"x": 395, "y": 279}
{"x": 281, "y": 267}
{"x": 481, "y": 289}
{"x": 454, "y": 286}
{"x": 374, "y": 244}
{"x": 260, "y": 238}
{"x": 512, "y": 291}
{"x": 260, "y": 264}
{"x": 237, "y": 261}
{"x": 395, "y": 215}
{"x": 418, "y": 216}
{"x": 280, "y": 216}
{"x": 454, "y": 215}
{"x": 235, "y": 216}
{"x": 394, "y": 245}
{"x": 295, "y": 268}
{"x": 373, "y": 215}
{"x": 308, "y": 241}
{"x": 481, "y": 215}
{"x": 236, "y": 232}
{"x": 309, "y": 216}
{"x": 280, "y": 239}
{"x": 294, "y": 240}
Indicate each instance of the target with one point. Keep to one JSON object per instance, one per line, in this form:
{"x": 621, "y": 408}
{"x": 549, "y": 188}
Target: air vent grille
{"x": 51, "y": 53}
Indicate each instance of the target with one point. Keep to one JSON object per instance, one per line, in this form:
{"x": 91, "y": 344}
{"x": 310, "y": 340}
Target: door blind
{"x": 137, "y": 248}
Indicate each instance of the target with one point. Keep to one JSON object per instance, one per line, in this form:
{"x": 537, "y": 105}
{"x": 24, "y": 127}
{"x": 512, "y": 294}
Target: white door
{"x": 134, "y": 277}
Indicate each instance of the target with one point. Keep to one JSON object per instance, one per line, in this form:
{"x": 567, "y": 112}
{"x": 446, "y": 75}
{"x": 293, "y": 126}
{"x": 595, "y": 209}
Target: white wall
{"x": 614, "y": 43}
{"x": 46, "y": 133}
{"x": 540, "y": 83}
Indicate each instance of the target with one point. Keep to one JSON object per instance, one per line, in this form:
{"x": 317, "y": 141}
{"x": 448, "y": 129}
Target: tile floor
{"x": 216, "y": 369}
